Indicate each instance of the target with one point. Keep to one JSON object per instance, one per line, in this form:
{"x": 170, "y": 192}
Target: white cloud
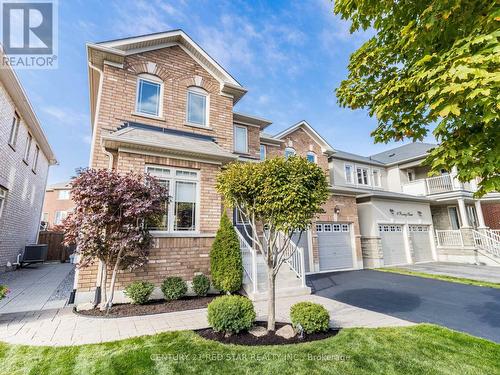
{"x": 66, "y": 116}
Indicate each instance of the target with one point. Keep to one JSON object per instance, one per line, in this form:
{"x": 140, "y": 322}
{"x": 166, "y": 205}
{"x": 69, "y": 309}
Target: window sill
{"x": 161, "y": 233}
{"x": 145, "y": 115}
{"x": 198, "y": 126}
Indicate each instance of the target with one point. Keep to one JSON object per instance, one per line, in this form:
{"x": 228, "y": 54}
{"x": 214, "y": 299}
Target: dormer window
{"x": 289, "y": 152}
{"x": 197, "y": 106}
{"x": 311, "y": 157}
{"x": 149, "y": 94}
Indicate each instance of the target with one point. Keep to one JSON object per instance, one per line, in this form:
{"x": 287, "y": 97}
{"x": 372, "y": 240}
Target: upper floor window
{"x": 149, "y": 94}
{"x": 14, "y": 130}
{"x": 35, "y": 158}
{"x": 197, "y": 106}
{"x": 60, "y": 216}
{"x": 376, "y": 178}
{"x": 3, "y": 196}
{"x": 348, "y": 174}
{"x": 362, "y": 175}
{"x": 63, "y": 194}
{"x": 311, "y": 157}
{"x": 263, "y": 152}
{"x": 27, "y": 150}
{"x": 289, "y": 152}
{"x": 241, "y": 139}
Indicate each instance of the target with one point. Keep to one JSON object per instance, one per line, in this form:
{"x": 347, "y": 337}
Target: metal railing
{"x": 487, "y": 240}
{"x": 451, "y": 238}
{"x": 294, "y": 257}
{"x": 249, "y": 259}
{"x": 439, "y": 184}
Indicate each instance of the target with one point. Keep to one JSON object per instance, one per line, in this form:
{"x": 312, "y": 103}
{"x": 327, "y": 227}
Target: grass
{"x": 453, "y": 279}
{"x": 420, "y": 349}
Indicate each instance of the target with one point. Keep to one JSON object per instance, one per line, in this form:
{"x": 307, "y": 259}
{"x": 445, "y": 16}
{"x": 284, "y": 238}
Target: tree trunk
{"x": 271, "y": 313}
{"x": 104, "y": 285}
{"x": 109, "y": 302}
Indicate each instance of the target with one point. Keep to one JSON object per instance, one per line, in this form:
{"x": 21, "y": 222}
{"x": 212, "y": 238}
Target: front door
{"x": 455, "y": 223}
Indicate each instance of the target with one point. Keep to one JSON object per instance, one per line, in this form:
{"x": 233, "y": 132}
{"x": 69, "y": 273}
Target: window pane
{"x": 289, "y": 152}
{"x": 14, "y": 130}
{"x": 185, "y": 205}
{"x": 28, "y": 147}
{"x": 348, "y": 174}
{"x": 240, "y": 139}
{"x": 262, "y": 152}
{"x": 63, "y": 194}
{"x": 149, "y": 97}
{"x": 197, "y": 108}
{"x": 310, "y": 157}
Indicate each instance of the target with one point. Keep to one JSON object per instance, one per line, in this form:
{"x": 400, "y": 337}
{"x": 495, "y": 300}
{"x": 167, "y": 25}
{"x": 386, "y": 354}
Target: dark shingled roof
{"x": 398, "y": 154}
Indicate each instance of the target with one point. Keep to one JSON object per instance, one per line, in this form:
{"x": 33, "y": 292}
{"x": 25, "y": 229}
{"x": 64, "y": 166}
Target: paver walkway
{"x": 33, "y": 288}
{"x": 62, "y": 327}
{"x": 468, "y": 271}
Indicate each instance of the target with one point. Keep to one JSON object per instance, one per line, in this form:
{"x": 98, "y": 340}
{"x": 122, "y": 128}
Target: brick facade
{"x": 52, "y": 204}
{"x": 491, "y": 213}
{"x": 20, "y": 217}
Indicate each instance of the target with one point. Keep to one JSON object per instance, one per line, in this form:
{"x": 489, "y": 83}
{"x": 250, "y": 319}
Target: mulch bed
{"x": 245, "y": 338}
{"x": 153, "y": 307}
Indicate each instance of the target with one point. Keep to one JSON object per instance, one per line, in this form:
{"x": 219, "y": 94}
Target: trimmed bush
{"x": 313, "y": 317}
{"x": 139, "y": 292}
{"x": 226, "y": 267}
{"x": 231, "y": 314}
{"x": 3, "y": 291}
{"x": 173, "y": 288}
{"x": 201, "y": 285}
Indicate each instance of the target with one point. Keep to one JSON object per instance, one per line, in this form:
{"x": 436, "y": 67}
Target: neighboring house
{"x": 57, "y": 204}
{"x": 25, "y": 157}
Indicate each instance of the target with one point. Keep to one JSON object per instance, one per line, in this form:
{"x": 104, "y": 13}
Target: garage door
{"x": 335, "y": 246}
{"x": 420, "y": 243}
{"x": 393, "y": 244}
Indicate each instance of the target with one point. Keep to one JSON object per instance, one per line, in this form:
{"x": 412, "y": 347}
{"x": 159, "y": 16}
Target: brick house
{"x": 56, "y": 205}
{"x": 160, "y": 104}
{"x": 25, "y": 157}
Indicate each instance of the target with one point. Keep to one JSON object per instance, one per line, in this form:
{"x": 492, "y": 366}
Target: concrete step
{"x": 283, "y": 292}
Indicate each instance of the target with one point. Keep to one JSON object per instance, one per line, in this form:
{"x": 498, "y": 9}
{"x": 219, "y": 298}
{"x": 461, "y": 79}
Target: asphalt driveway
{"x": 466, "y": 308}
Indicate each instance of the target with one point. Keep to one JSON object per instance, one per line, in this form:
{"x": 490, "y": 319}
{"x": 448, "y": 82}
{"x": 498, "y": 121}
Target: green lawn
{"x": 452, "y": 279}
{"x": 421, "y": 349}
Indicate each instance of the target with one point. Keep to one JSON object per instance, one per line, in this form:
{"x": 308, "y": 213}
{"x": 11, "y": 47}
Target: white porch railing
{"x": 496, "y": 233}
{"x": 487, "y": 240}
{"x": 451, "y": 238}
{"x": 439, "y": 184}
{"x": 417, "y": 187}
{"x": 294, "y": 257}
{"x": 249, "y": 259}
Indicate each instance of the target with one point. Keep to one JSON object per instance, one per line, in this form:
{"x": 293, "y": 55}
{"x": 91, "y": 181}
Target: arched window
{"x": 197, "y": 106}
{"x": 289, "y": 152}
{"x": 311, "y": 157}
{"x": 149, "y": 95}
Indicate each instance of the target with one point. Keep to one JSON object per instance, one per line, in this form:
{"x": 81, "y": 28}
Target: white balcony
{"x": 436, "y": 185}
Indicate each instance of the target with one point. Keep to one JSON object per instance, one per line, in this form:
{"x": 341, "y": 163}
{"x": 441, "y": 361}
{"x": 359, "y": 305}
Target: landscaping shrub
{"x": 311, "y": 316}
{"x": 3, "y": 291}
{"x": 201, "y": 285}
{"x": 139, "y": 292}
{"x": 231, "y": 314}
{"x": 226, "y": 266}
{"x": 173, "y": 288}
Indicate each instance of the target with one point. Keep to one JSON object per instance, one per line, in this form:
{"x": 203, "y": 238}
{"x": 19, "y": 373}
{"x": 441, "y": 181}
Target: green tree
{"x": 431, "y": 62}
{"x": 281, "y": 195}
{"x": 226, "y": 265}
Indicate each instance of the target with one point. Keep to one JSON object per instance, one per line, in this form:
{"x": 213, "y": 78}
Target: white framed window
{"x": 263, "y": 152}
{"x": 240, "y": 139}
{"x": 35, "y": 158}
{"x": 29, "y": 140}
{"x": 336, "y": 227}
{"x": 240, "y": 218}
{"x": 149, "y": 95}
{"x": 14, "y": 130}
{"x": 311, "y": 157}
{"x": 319, "y": 228}
{"x": 345, "y": 227}
{"x": 362, "y": 176}
{"x": 349, "y": 178}
{"x": 289, "y": 152}
{"x": 3, "y": 197}
{"x": 63, "y": 194}
{"x": 376, "y": 178}
{"x": 60, "y": 216}
{"x": 181, "y": 214}
{"x": 197, "y": 106}
{"x": 327, "y": 227}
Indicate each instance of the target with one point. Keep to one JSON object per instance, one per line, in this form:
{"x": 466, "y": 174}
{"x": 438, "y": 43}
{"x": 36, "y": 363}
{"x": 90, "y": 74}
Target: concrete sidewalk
{"x": 37, "y": 287}
{"x": 467, "y": 271}
{"x": 60, "y": 327}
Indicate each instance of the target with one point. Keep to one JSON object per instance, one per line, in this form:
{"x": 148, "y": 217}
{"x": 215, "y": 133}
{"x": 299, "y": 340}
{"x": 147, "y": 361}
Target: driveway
{"x": 37, "y": 287}
{"x": 466, "y": 308}
{"x": 467, "y": 271}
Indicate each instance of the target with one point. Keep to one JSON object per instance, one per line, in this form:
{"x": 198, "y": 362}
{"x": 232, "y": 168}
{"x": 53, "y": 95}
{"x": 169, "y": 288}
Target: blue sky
{"x": 290, "y": 55}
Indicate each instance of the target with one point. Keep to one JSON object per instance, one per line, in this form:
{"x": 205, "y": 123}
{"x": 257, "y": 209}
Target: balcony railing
{"x": 436, "y": 185}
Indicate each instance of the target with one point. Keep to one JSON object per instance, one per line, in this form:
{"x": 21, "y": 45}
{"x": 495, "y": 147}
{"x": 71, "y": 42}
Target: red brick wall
{"x": 491, "y": 213}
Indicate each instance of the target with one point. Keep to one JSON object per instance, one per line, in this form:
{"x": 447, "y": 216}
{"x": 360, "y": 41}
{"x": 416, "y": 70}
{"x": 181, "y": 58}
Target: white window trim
{"x": 59, "y": 195}
{"x": 27, "y": 150}
{"x": 367, "y": 175}
{"x": 292, "y": 149}
{"x": 35, "y": 158}
{"x": 377, "y": 182}
{"x": 152, "y": 79}
{"x": 234, "y": 140}
{"x": 3, "y": 199}
{"x": 14, "y": 130}
{"x": 262, "y": 147}
{"x": 239, "y": 222}
{"x": 198, "y": 91}
{"x": 353, "y": 182}
{"x": 171, "y": 206}
{"x": 313, "y": 154}
{"x": 64, "y": 215}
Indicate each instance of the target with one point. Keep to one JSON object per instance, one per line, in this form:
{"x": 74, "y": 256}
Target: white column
{"x": 463, "y": 213}
{"x": 479, "y": 213}
{"x": 457, "y": 185}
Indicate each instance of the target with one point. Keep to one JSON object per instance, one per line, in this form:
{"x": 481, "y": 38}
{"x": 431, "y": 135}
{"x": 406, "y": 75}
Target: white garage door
{"x": 420, "y": 243}
{"x": 393, "y": 244}
{"x": 335, "y": 246}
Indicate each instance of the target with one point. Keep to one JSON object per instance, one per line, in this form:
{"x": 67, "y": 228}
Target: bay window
{"x": 181, "y": 213}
